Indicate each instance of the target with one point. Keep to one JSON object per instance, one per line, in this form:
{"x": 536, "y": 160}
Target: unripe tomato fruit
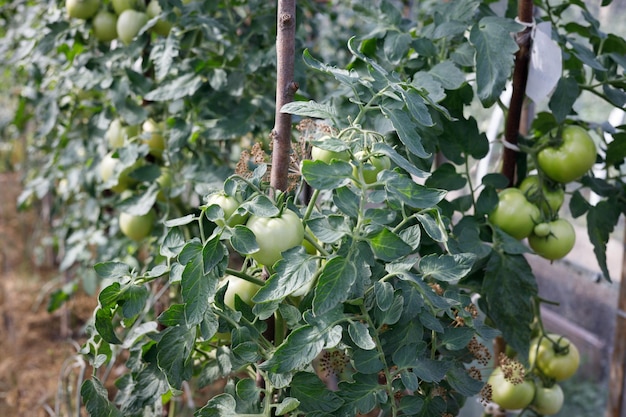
{"x": 560, "y": 363}
{"x": 135, "y": 227}
{"x": 82, "y": 9}
{"x": 514, "y": 214}
{"x": 153, "y": 137}
{"x": 107, "y": 168}
{"x": 115, "y": 133}
{"x": 558, "y": 243}
{"x": 161, "y": 27}
{"x": 129, "y": 23}
{"x": 105, "y": 30}
{"x": 548, "y": 200}
{"x": 239, "y": 286}
{"x": 275, "y": 235}
{"x": 371, "y": 166}
{"x": 120, "y": 5}
{"x": 571, "y": 159}
{"x": 229, "y": 206}
{"x": 508, "y": 395}
{"x": 548, "y": 400}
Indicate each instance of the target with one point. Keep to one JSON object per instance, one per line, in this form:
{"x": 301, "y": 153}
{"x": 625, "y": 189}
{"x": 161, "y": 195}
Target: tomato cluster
{"x": 121, "y": 19}
{"x": 553, "y": 358}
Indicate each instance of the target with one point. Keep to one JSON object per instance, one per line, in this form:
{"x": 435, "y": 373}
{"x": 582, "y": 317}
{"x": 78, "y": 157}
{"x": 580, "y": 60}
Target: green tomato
{"x": 514, "y": 214}
{"x": 153, "y": 137}
{"x": 555, "y": 356}
{"x": 161, "y": 27}
{"x": 371, "y": 166}
{"x": 135, "y": 227}
{"x": 82, "y": 9}
{"x": 547, "y": 199}
{"x": 121, "y": 5}
{"x": 508, "y": 395}
{"x": 238, "y": 286}
{"x": 274, "y": 235}
{"x": 129, "y": 23}
{"x": 571, "y": 159}
{"x": 107, "y": 169}
{"x": 165, "y": 183}
{"x": 541, "y": 230}
{"x": 548, "y": 400}
{"x": 229, "y": 206}
{"x": 115, "y": 133}
{"x": 558, "y": 243}
{"x": 104, "y": 27}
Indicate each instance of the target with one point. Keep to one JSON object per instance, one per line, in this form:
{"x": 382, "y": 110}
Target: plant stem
{"x": 285, "y": 90}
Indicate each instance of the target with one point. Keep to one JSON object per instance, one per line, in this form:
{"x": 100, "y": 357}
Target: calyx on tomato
{"x": 557, "y": 243}
{"x": 514, "y": 214}
{"x": 554, "y": 356}
{"x": 572, "y": 158}
{"x": 548, "y": 199}
{"x": 274, "y": 235}
{"x": 329, "y": 148}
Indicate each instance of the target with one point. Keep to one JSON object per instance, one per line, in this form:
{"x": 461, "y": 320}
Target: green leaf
{"x": 222, "y": 405}
{"x": 510, "y": 278}
{"x": 261, "y": 205}
{"x": 213, "y": 253}
{"x": 360, "y": 335}
{"x": 565, "y": 95}
{"x": 448, "y": 74}
{"x": 361, "y": 393}
{"x": 460, "y": 380}
{"x": 398, "y": 159}
{"x": 334, "y": 284}
{"x": 112, "y": 270}
{"x": 495, "y": 49}
{"x": 140, "y": 204}
{"x": 329, "y": 229}
{"x": 184, "y": 86}
{"x": 445, "y": 177}
{"x": 196, "y": 287}
{"x": 173, "y": 243}
{"x": 417, "y": 107}
{"x": 388, "y": 246}
{"x": 324, "y": 176}
{"x": 457, "y": 338}
{"x": 174, "y": 354}
{"x": 295, "y": 270}
{"x": 309, "y": 109}
{"x": 407, "y": 131}
{"x": 297, "y": 351}
{"x": 287, "y": 405}
{"x": 383, "y": 291}
{"x": 433, "y": 227}
{"x": 447, "y": 268}
{"x": 313, "y": 394}
{"x": 243, "y": 240}
{"x": 347, "y": 201}
{"x": 133, "y": 300}
{"x": 163, "y": 55}
{"x": 96, "y": 399}
{"x": 343, "y": 76}
{"x": 412, "y": 194}
{"x": 396, "y": 46}
{"x": 601, "y": 220}
{"x": 104, "y": 326}
{"x": 431, "y": 370}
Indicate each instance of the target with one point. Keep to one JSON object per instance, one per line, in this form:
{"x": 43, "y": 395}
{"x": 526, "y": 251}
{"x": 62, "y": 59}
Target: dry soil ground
{"x": 37, "y": 370}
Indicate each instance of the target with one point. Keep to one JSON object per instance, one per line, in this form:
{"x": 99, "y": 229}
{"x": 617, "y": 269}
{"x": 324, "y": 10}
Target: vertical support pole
{"x": 285, "y": 91}
{"x": 616, "y": 406}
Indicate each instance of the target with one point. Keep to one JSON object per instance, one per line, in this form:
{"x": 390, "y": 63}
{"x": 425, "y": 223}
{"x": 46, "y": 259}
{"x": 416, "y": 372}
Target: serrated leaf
{"x": 309, "y": 109}
{"x": 383, "y": 291}
{"x": 433, "y": 227}
{"x": 406, "y": 130}
{"x": 510, "y": 278}
{"x": 181, "y": 221}
{"x": 222, "y": 405}
{"x": 196, "y": 287}
{"x": 96, "y": 399}
{"x": 261, "y": 205}
{"x": 293, "y": 272}
{"x": 347, "y": 201}
{"x": 563, "y": 98}
{"x": 174, "y": 354}
{"x": 495, "y": 49}
{"x": 446, "y": 178}
{"x": 139, "y": 204}
{"x": 601, "y": 220}
{"x": 243, "y": 240}
{"x": 287, "y": 405}
{"x": 361, "y": 393}
{"x": 184, "y": 86}
{"x": 388, "y": 246}
{"x": 460, "y": 380}
{"x": 431, "y": 370}
{"x": 298, "y": 350}
{"x": 213, "y": 253}
{"x": 313, "y": 394}
{"x": 104, "y": 326}
{"x": 112, "y": 269}
{"x": 360, "y": 335}
{"x": 447, "y": 268}
{"x": 162, "y": 55}
{"x": 334, "y": 284}
{"x": 329, "y": 229}
{"x": 343, "y": 76}
{"x": 324, "y": 176}
{"x": 412, "y": 194}
{"x": 383, "y": 148}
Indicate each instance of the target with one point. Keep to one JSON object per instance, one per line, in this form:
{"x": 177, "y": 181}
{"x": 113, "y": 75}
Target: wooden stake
{"x": 617, "y": 377}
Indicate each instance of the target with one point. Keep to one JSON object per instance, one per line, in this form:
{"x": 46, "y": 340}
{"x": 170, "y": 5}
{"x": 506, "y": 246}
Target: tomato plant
{"x": 571, "y": 158}
{"x": 548, "y": 399}
{"x": 514, "y": 214}
{"x": 554, "y": 356}
{"x": 275, "y": 235}
{"x": 327, "y": 153}
{"x": 557, "y": 243}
